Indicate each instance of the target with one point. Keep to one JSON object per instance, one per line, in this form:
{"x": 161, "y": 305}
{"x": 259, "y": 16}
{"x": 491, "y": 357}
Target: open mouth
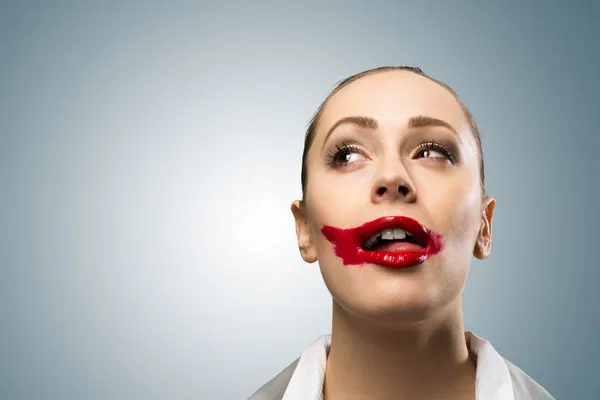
{"x": 392, "y": 241}
{"x": 385, "y": 240}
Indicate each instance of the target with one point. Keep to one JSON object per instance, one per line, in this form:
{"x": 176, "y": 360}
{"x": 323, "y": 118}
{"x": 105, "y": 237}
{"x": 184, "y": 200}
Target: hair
{"x": 314, "y": 122}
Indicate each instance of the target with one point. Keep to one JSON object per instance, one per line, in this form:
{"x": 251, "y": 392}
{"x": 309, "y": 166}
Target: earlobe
{"x": 305, "y": 245}
{"x": 483, "y": 244}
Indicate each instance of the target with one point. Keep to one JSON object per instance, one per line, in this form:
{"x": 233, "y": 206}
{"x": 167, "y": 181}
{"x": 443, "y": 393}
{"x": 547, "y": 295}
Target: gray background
{"x": 150, "y": 151}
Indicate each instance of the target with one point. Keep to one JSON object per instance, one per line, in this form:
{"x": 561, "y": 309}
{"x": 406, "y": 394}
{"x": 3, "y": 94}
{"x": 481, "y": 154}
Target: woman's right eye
{"x": 344, "y": 155}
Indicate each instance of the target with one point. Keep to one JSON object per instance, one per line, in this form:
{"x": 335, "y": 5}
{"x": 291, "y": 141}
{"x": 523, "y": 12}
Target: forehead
{"x": 393, "y": 97}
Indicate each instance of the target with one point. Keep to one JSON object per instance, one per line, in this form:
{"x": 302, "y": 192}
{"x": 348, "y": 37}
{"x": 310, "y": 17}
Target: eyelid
{"x": 432, "y": 144}
{"x": 346, "y": 144}
{"x": 350, "y": 134}
{"x": 350, "y": 146}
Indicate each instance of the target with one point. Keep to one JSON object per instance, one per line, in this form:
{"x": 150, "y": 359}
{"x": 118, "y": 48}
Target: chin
{"x": 391, "y": 294}
{"x": 388, "y": 301}
{"x": 392, "y": 313}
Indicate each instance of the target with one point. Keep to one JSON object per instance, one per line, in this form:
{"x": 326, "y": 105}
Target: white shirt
{"x": 492, "y": 378}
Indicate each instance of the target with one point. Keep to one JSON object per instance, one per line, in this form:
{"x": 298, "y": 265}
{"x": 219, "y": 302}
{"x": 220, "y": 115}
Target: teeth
{"x": 399, "y": 234}
{"x": 391, "y": 234}
{"x": 388, "y": 234}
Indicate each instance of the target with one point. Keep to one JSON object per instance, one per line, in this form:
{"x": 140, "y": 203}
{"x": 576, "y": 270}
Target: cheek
{"x": 335, "y": 197}
{"x": 334, "y": 206}
{"x": 456, "y": 211}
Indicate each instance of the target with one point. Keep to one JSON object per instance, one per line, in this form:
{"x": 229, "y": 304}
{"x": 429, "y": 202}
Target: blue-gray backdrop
{"x": 149, "y": 152}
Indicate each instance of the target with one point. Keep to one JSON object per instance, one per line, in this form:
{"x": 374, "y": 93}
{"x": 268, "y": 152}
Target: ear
{"x": 305, "y": 245}
{"x": 483, "y": 245}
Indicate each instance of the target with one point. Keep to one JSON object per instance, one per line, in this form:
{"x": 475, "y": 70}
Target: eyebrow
{"x": 423, "y": 121}
{"x": 419, "y": 121}
{"x": 361, "y": 122}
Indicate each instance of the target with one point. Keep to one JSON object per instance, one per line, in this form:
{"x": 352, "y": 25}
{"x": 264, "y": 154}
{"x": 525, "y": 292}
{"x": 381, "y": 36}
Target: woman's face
{"x": 400, "y": 161}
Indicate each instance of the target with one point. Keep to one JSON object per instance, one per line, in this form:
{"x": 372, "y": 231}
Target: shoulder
{"x": 525, "y": 388}
{"x": 275, "y": 388}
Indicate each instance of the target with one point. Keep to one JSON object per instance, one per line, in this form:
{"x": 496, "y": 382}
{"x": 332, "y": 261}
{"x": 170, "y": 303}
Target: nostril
{"x": 381, "y": 191}
{"x": 403, "y": 190}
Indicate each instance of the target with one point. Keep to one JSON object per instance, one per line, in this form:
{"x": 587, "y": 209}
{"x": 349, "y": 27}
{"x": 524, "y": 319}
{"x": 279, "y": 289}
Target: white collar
{"x": 492, "y": 379}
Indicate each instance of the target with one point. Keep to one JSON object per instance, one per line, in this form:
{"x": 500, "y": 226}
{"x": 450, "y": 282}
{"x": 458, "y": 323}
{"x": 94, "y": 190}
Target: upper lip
{"x": 420, "y": 233}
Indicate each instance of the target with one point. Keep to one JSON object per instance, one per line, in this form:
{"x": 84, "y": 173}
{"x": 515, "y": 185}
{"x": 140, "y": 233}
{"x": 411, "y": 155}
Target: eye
{"x": 435, "y": 150}
{"x": 344, "y": 154}
{"x": 431, "y": 154}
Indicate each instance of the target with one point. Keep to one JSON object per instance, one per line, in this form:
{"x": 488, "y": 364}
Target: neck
{"x": 424, "y": 360}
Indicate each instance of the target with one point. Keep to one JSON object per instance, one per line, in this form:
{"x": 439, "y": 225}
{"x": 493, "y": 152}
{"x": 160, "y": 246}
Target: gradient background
{"x": 150, "y": 152}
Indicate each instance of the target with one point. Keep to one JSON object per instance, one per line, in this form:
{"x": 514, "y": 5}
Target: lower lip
{"x": 393, "y": 255}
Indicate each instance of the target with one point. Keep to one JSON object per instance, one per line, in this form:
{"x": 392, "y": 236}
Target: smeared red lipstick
{"x": 348, "y": 243}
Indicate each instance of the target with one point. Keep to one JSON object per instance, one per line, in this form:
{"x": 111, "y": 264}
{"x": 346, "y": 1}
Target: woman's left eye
{"x": 434, "y": 150}
{"x": 428, "y": 153}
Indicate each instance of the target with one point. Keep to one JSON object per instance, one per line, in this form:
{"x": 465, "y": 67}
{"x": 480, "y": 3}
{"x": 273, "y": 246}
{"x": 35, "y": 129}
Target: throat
{"x": 438, "y": 370}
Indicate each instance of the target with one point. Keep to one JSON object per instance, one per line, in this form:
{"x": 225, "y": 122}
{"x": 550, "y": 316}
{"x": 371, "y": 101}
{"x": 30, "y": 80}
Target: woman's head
{"x": 394, "y": 142}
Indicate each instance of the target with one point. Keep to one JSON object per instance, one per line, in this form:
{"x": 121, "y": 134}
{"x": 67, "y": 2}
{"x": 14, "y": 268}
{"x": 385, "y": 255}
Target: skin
{"x": 396, "y": 333}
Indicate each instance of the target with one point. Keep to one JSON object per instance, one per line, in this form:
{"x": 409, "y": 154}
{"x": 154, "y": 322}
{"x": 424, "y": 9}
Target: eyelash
{"x": 439, "y": 147}
{"x": 336, "y": 155}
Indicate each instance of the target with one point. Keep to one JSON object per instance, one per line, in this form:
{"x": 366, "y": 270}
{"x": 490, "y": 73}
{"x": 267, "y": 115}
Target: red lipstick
{"x": 349, "y": 243}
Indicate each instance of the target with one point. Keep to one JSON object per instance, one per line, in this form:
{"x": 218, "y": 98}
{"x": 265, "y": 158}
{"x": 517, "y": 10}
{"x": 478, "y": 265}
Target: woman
{"x": 394, "y": 207}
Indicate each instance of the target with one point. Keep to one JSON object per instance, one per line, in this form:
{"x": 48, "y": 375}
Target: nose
{"x": 393, "y": 184}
